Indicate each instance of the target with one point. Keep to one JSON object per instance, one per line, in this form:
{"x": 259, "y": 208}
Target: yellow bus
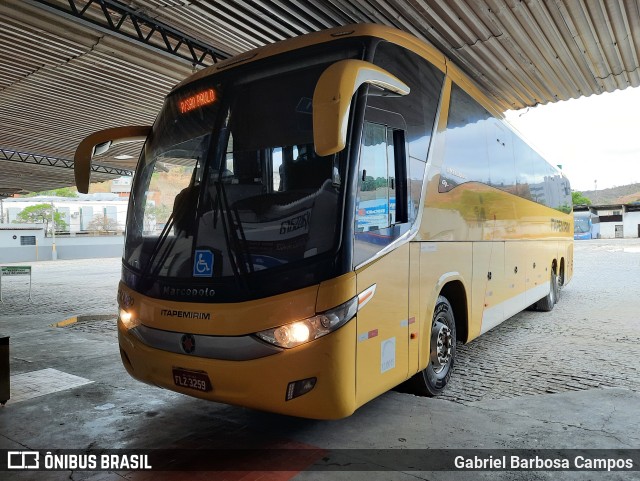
{"x": 317, "y": 221}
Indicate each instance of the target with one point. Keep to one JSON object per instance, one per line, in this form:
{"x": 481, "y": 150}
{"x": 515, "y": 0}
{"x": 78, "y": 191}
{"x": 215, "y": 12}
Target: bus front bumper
{"x": 262, "y": 383}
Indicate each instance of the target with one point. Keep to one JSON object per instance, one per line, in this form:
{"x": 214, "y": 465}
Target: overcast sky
{"x": 594, "y": 138}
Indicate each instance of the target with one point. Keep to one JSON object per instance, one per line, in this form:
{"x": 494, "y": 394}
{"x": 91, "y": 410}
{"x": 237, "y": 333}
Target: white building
{"x": 618, "y": 220}
{"x": 107, "y": 209}
{"x": 21, "y": 235}
{"x": 631, "y": 220}
{"x": 122, "y": 186}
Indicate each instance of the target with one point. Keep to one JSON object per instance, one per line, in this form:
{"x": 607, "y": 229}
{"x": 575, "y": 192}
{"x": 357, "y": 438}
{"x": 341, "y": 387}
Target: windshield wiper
{"x": 236, "y": 251}
{"x": 156, "y": 249}
{"x": 171, "y": 221}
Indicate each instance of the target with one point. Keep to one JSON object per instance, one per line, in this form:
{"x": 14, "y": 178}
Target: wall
{"x": 631, "y": 222}
{"x": 85, "y": 247}
{"x": 615, "y": 214}
{"x": 11, "y": 237}
{"x": 608, "y": 229}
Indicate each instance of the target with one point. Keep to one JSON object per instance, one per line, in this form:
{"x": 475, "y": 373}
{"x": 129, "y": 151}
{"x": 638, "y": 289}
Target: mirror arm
{"x": 98, "y": 143}
{"x": 332, "y": 99}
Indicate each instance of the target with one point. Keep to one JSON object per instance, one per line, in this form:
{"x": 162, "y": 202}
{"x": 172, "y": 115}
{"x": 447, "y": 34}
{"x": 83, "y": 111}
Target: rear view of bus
{"x": 289, "y": 245}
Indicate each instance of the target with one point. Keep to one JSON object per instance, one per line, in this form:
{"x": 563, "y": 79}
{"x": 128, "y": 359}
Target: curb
{"x": 84, "y": 318}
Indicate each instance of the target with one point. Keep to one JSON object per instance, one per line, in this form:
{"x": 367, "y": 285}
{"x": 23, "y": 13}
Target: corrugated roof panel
{"x": 87, "y": 84}
{"x": 627, "y": 44}
{"x": 61, "y": 79}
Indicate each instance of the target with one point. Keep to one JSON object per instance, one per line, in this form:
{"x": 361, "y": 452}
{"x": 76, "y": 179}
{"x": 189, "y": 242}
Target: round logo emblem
{"x": 188, "y": 343}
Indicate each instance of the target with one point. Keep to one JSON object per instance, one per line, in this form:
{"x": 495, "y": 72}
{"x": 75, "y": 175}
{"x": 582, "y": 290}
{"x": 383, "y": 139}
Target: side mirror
{"x": 98, "y": 143}
{"x": 332, "y": 99}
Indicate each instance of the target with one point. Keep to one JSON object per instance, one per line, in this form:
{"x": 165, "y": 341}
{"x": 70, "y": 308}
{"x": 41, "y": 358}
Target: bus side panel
{"x": 383, "y": 330}
{"x": 488, "y": 291}
{"x": 515, "y": 264}
{"x": 564, "y": 253}
{"x": 416, "y": 311}
{"x": 539, "y": 259}
{"x": 568, "y": 262}
{"x": 440, "y": 263}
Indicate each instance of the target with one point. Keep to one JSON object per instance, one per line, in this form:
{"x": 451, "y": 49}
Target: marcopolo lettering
{"x": 186, "y": 291}
{"x": 185, "y": 314}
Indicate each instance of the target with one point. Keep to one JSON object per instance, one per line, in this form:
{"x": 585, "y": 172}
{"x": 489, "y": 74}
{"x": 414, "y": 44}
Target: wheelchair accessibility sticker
{"x": 203, "y": 264}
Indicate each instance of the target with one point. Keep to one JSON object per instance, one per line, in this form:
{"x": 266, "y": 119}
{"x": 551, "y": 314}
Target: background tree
{"x": 579, "y": 199}
{"x": 41, "y": 214}
{"x": 370, "y": 183}
{"x": 62, "y": 192}
{"x": 154, "y": 215}
{"x": 102, "y": 223}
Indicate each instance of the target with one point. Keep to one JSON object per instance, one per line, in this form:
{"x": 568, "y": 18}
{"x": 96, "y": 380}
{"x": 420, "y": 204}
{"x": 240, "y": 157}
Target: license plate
{"x": 197, "y": 380}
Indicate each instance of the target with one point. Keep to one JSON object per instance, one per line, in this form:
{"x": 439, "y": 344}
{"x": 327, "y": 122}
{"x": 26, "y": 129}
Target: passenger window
{"x": 277, "y": 183}
{"x": 502, "y": 174}
{"x": 466, "y": 156}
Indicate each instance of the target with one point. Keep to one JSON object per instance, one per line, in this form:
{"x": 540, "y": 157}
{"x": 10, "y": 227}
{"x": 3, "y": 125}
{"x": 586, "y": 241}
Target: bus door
{"x": 383, "y": 282}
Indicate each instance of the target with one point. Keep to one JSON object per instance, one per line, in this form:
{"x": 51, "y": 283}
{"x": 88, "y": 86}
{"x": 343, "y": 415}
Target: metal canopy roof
{"x": 70, "y": 67}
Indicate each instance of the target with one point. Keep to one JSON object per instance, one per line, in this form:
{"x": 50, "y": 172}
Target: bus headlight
{"x": 299, "y": 332}
{"x": 127, "y": 318}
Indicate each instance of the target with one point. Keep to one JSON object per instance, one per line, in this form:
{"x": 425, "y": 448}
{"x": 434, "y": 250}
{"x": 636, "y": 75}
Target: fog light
{"x": 298, "y": 388}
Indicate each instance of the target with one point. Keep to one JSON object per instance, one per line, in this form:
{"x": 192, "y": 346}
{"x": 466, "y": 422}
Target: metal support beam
{"x": 25, "y": 158}
{"x": 113, "y": 17}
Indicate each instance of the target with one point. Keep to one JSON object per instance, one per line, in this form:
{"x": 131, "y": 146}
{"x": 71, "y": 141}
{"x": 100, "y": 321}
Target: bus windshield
{"x": 229, "y": 184}
{"x": 581, "y": 225}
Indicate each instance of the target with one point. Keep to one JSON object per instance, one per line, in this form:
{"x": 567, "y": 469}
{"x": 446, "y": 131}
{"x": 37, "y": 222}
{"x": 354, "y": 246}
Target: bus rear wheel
{"x": 432, "y": 380}
{"x": 546, "y": 303}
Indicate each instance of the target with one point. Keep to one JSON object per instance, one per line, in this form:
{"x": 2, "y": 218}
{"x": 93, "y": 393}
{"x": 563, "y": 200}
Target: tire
{"x": 546, "y": 303}
{"x": 432, "y": 380}
{"x": 560, "y": 283}
{"x": 561, "y": 280}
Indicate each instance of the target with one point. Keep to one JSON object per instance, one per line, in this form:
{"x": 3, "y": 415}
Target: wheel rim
{"x": 441, "y": 345}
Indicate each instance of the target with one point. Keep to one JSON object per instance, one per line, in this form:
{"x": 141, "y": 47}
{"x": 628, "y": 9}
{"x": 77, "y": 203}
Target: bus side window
{"x": 373, "y": 210}
{"x": 382, "y": 203}
{"x": 382, "y": 180}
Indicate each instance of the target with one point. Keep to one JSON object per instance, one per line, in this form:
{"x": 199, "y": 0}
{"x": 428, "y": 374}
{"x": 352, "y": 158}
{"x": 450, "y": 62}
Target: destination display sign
{"x": 197, "y": 100}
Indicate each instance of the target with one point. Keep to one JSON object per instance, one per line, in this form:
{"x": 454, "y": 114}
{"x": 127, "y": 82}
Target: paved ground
{"x": 565, "y": 379}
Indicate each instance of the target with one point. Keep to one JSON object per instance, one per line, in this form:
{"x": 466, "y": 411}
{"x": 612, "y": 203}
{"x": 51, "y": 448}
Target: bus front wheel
{"x": 432, "y": 380}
